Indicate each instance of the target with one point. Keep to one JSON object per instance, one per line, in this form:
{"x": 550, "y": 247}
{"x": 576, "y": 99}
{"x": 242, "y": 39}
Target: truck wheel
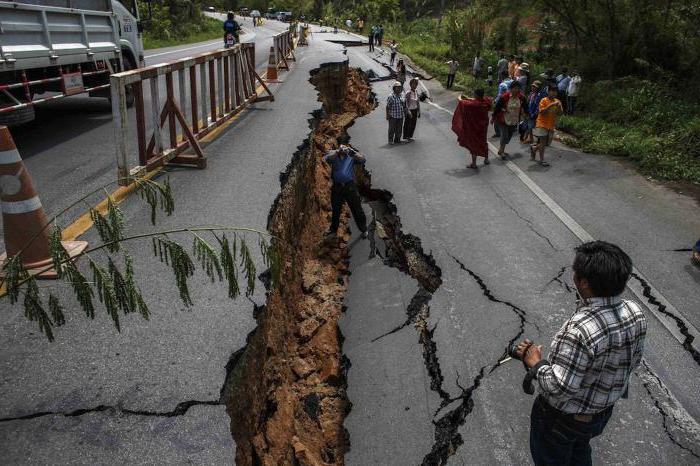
{"x": 17, "y": 117}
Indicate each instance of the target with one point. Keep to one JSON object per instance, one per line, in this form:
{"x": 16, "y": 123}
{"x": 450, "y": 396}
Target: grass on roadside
{"x": 209, "y": 29}
{"x": 650, "y": 124}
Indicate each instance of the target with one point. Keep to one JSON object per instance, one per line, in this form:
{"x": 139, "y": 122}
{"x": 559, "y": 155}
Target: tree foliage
{"x": 220, "y": 257}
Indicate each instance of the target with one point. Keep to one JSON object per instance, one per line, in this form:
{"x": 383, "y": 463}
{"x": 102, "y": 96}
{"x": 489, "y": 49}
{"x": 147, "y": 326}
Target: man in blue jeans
{"x": 344, "y": 190}
{"x": 590, "y": 362}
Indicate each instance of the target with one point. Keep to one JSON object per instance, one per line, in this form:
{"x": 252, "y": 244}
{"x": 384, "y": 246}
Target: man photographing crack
{"x": 344, "y": 190}
{"x": 590, "y": 362}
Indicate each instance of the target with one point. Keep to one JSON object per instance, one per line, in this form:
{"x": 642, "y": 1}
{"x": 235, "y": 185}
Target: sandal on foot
{"x": 472, "y": 166}
{"x": 486, "y": 161}
{"x": 543, "y": 163}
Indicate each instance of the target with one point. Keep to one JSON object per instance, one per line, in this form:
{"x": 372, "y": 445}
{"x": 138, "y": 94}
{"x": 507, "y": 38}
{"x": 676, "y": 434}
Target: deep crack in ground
{"x": 682, "y": 327}
{"x": 666, "y": 417}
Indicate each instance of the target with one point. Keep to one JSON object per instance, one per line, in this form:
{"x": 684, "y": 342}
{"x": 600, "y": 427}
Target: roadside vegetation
{"x": 636, "y": 59}
{"x": 175, "y": 23}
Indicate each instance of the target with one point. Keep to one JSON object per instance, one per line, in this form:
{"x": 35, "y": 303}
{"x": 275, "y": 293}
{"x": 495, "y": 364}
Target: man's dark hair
{"x": 479, "y": 93}
{"x": 564, "y": 70}
{"x": 511, "y": 56}
{"x": 514, "y": 83}
{"x": 605, "y": 267}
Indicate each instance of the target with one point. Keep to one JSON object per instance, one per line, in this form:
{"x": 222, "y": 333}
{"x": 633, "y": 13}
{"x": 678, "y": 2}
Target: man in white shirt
{"x": 453, "y": 64}
{"x": 412, "y": 100}
{"x": 572, "y": 92}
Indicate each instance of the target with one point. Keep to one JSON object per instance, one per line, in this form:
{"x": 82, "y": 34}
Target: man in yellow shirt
{"x": 550, "y": 107}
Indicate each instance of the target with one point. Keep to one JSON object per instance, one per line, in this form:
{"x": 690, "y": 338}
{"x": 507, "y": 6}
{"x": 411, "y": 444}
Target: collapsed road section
{"x": 285, "y": 391}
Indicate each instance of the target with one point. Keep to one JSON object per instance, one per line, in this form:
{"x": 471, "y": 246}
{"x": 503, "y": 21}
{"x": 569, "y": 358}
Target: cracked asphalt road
{"x": 150, "y": 394}
{"x": 504, "y": 260}
{"x": 485, "y": 222}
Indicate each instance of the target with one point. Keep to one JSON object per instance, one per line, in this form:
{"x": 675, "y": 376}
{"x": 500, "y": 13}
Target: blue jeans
{"x": 557, "y": 439}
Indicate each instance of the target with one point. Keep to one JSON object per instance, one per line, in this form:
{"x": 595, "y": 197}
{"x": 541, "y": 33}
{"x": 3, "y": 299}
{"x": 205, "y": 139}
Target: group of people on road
{"x": 375, "y": 36}
{"x": 403, "y": 111}
{"x": 527, "y": 107}
{"x": 535, "y": 115}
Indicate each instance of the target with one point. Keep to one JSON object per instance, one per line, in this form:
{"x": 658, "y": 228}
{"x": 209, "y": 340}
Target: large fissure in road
{"x": 285, "y": 391}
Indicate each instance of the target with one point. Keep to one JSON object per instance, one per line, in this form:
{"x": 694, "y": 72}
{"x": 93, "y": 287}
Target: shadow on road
{"x": 59, "y": 122}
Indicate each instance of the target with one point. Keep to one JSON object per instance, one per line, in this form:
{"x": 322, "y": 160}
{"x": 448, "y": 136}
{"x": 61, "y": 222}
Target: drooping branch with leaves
{"x": 221, "y": 252}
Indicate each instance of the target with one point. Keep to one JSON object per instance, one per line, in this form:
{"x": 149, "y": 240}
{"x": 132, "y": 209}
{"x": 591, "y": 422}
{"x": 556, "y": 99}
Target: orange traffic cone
{"x": 23, "y": 216}
{"x": 271, "y": 76}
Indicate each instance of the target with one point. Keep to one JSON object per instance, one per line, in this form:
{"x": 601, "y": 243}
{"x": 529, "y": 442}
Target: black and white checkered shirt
{"x": 593, "y": 355}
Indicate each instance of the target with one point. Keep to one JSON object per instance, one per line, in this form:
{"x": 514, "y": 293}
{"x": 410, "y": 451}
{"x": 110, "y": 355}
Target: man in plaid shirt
{"x": 395, "y": 112}
{"x": 590, "y": 362}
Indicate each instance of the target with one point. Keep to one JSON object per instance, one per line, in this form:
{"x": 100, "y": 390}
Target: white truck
{"x": 51, "y": 49}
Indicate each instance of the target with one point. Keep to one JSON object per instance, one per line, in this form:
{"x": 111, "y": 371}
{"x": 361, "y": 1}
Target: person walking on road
{"x": 502, "y": 68}
{"x": 395, "y": 113}
{"x": 478, "y": 67}
{"x": 380, "y": 35}
{"x": 344, "y": 189}
{"x": 509, "y": 110}
{"x": 572, "y": 92}
{"x": 512, "y": 64}
{"x": 453, "y": 64}
{"x": 371, "y": 36}
{"x": 502, "y": 88}
{"x": 533, "y": 108}
{"x": 591, "y": 359}
{"x": 563, "y": 81}
{"x": 393, "y": 48}
{"x": 470, "y": 122}
{"x": 413, "y": 110}
{"x": 401, "y": 72}
{"x": 549, "y": 108}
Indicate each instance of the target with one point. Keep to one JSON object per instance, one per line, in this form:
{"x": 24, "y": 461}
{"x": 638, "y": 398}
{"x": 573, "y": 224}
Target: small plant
{"x": 222, "y": 252}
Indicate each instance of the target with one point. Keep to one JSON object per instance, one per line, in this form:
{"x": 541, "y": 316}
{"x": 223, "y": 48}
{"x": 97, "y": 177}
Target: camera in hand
{"x": 528, "y": 387}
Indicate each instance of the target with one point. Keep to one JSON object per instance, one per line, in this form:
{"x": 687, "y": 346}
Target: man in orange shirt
{"x": 512, "y": 65}
{"x": 550, "y": 108}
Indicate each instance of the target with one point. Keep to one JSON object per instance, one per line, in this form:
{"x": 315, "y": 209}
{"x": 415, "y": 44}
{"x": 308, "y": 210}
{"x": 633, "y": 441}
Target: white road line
{"x": 183, "y": 50}
{"x": 248, "y": 33}
{"x": 633, "y": 285}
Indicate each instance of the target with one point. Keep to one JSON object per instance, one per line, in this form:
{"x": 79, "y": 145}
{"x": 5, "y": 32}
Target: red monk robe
{"x": 470, "y": 122}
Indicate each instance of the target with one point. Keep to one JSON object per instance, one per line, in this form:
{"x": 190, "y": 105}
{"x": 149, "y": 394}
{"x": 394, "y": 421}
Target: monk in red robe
{"x": 470, "y": 122}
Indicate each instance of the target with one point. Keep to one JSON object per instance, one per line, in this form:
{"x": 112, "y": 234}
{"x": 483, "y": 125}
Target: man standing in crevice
{"x": 590, "y": 361}
{"x": 344, "y": 189}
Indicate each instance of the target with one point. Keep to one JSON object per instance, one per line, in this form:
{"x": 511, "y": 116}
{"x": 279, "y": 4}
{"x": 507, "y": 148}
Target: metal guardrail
{"x": 211, "y": 87}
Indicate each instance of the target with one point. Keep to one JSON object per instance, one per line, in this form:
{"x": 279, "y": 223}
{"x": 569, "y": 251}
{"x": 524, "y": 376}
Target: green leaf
{"x": 157, "y": 196}
{"x": 81, "y": 288}
{"x": 34, "y": 308}
{"x": 171, "y": 253}
{"x": 15, "y": 273}
{"x": 105, "y": 291}
{"x": 228, "y": 264}
{"x": 206, "y": 256}
{"x": 56, "y": 311}
{"x": 58, "y": 253}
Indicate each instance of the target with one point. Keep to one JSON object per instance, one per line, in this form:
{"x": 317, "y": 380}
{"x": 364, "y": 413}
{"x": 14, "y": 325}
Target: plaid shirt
{"x": 593, "y": 355}
{"x": 395, "y": 106}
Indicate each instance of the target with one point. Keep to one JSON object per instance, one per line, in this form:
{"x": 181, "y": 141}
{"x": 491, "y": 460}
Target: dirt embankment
{"x": 287, "y": 397}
